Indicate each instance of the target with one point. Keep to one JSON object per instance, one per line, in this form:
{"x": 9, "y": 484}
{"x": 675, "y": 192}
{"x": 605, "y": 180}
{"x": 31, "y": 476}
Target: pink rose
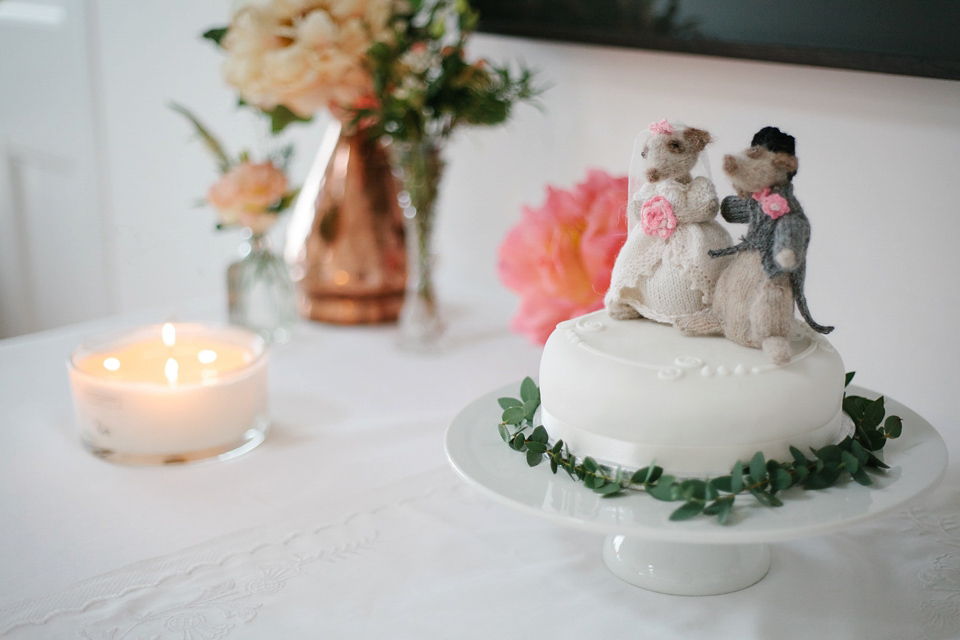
{"x": 247, "y": 190}
{"x": 772, "y": 204}
{"x": 656, "y": 217}
{"x": 559, "y": 257}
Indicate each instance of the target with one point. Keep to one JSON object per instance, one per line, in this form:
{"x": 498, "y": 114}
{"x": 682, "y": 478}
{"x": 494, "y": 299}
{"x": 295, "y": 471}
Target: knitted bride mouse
{"x": 663, "y": 272}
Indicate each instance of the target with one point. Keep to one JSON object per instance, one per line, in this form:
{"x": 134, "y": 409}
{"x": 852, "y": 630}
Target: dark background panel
{"x": 910, "y": 37}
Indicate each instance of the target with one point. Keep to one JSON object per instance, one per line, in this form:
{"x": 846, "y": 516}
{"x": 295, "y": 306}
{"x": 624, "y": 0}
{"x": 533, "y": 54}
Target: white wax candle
{"x": 174, "y": 393}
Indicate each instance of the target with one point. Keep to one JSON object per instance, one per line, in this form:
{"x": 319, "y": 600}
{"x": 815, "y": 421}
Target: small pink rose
{"x": 656, "y": 217}
{"x": 247, "y": 189}
{"x": 661, "y": 127}
{"x": 772, "y": 204}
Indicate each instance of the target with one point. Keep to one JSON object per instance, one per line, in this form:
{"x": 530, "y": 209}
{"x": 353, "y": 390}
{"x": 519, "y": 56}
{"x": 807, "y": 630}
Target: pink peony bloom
{"x": 559, "y": 257}
{"x": 656, "y": 217}
{"x": 772, "y": 204}
{"x": 247, "y": 190}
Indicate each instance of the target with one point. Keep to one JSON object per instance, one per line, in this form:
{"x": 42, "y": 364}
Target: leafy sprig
{"x": 761, "y": 478}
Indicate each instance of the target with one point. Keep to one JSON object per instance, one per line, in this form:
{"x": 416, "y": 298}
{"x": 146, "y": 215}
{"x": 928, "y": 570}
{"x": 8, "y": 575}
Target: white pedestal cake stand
{"x": 698, "y": 556}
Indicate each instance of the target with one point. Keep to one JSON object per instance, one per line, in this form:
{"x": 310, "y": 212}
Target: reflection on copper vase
{"x": 351, "y": 264}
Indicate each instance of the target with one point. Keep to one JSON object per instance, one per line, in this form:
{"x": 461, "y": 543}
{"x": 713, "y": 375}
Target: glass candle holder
{"x": 171, "y": 393}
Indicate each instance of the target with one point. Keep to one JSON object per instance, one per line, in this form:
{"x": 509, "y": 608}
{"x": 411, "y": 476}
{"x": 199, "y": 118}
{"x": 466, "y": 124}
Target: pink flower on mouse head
{"x": 661, "y": 127}
{"x": 656, "y": 217}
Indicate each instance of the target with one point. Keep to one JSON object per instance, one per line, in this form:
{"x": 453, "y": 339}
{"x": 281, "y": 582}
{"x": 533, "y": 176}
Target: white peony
{"x": 304, "y": 54}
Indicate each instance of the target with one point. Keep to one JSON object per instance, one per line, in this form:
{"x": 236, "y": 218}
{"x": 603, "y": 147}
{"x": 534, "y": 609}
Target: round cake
{"x": 633, "y": 392}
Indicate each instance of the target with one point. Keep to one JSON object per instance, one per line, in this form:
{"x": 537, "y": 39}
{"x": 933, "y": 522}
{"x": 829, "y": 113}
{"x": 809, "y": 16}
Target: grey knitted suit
{"x": 769, "y": 237}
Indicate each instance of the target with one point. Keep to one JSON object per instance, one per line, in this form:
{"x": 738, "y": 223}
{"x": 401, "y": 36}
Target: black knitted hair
{"x": 775, "y": 140}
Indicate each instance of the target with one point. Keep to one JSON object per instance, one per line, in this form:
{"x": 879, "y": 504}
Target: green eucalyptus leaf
{"x": 540, "y": 435}
{"x": 533, "y": 458}
{"x": 850, "y": 462}
{"x": 815, "y": 481}
{"x": 663, "y": 490}
{"x": 781, "y": 479}
{"x": 830, "y": 474}
{"x": 553, "y": 465}
{"x": 848, "y": 378}
{"x": 893, "y": 427}
{"x": 557, "y": 448}
{"x": 537, "y": 447}
{"x": 640, "y": 476}
{"x": 713, "y": 508}
{"x": 687, "y": 511}
{"x": 529, "y": 391}
{"x": 736, "y": 478}
{"x": 873, "y": 414}
{"x": 722, "y": 483}
{"x": 767, "y": 499}
{"x": 798, "y": 457}
{"x": 802, "y": 472}
{"x": 758, "y": 468}
{"x": 874, "y": 461}
{"x": 506, "y": 403}
{"x": 693, "y": 489}
{"x": 862, "y": 477}
{"x": 513, "y": 415}
{"x": 829, "y": 453}
{"x": 854, "y": 406}
{"x": 653, "y": 474}
{"x": 504, "y": 433}
{"x": 861, "y": 454}
{"x": 726, "y": 508}
{"x": 596, "y": 482}
{"x": 530, "y": 408}
{"x": 519, "y": 442}
{"x": 609, "y": 489}
{"x": 590, "y": 464}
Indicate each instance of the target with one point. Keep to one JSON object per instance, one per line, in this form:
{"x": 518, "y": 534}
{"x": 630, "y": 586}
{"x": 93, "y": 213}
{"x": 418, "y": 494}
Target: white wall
{"x": 880, "y": 156}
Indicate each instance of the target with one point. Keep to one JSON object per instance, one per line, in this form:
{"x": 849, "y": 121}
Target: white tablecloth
{"x": 347, "y": 523}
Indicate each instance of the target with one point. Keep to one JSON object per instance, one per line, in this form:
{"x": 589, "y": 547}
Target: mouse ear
{"x": 697, "y": 137}
{"x": 787, "y": 162}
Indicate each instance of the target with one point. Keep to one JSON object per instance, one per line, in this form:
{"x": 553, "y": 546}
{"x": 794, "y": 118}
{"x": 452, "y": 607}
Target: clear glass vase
{"x": 260, "y": 294}
{"x": 419, "y": 167}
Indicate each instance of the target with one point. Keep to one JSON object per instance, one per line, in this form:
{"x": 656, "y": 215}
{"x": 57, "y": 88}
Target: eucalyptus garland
{"x": 761, "y": 478}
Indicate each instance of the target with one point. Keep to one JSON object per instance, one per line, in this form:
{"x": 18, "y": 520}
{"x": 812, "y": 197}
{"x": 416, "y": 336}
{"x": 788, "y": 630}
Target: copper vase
{"x": 351, "y": 265}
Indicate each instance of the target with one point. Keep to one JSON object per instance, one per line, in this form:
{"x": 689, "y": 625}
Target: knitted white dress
{"x": 665, "y": 278}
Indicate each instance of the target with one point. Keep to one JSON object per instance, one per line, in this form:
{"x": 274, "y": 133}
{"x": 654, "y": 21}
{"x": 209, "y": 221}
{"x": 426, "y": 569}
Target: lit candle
{"x": 174, "y": 393}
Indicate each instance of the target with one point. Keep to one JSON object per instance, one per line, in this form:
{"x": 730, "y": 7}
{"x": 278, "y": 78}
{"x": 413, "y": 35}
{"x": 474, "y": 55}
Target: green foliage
{"x": 424, "y": 87}
{"x": 215, "y": 35}
{"x": 715, "y": 497}
{"x": 280, "y": 117}
{"x": 210, "y": 141}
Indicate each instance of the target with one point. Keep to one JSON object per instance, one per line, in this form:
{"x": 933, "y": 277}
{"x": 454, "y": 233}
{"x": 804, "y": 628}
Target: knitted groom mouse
{"x": 754, "y": 296}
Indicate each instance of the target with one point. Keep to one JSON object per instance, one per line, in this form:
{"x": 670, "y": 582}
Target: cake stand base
{"x": 685, "y": 569}
{"x": 695, "y": 557}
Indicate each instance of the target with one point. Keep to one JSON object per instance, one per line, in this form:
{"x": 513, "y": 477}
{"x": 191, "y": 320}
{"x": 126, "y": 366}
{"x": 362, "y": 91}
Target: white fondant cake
{"x": 631, "y": 392}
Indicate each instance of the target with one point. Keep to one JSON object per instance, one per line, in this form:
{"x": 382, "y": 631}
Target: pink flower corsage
{"x": 661, "y": 127}
{"x": 656, "y": 217}
{"x": 772, "y": 204}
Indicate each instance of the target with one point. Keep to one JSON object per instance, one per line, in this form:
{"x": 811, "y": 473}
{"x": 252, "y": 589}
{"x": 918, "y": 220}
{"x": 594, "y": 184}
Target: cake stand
{"x": 698, "y": 556}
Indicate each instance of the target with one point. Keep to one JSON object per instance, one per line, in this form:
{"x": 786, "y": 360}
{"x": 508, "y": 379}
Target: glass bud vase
{"x": 419, "y": 167}
{"x": 260, "y": 294}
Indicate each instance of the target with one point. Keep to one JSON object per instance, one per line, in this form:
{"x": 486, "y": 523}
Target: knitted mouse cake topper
{"x": 663, "y": 270}
{"x": 754, "y": 296}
